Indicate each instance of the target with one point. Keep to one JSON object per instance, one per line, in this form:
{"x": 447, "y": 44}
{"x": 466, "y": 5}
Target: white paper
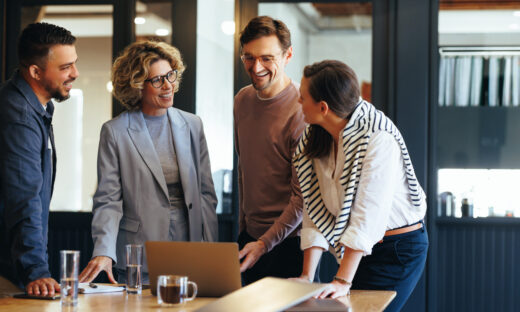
{"x": 84, "y": 288}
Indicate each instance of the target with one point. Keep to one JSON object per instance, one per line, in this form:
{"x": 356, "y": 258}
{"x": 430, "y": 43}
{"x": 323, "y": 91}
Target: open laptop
{"x": 214, "y": 267}
{"x": 266, "y": 295}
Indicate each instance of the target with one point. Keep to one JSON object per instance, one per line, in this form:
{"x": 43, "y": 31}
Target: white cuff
{"x": 311, "y": 237}
{"x": 357, "y": 240}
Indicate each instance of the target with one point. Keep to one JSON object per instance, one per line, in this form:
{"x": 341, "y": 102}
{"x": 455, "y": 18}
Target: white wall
{"x": 94, "y": 64}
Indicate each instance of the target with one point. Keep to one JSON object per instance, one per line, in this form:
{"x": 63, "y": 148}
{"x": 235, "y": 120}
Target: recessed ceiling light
{"x": 228, "y": 27}
{"x": 139, "y": 20}
{"x": 162, "y": 32}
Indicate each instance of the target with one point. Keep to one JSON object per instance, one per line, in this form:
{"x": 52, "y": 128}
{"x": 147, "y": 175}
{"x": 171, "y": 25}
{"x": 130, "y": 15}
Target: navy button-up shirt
{"x": 26, "y": 181}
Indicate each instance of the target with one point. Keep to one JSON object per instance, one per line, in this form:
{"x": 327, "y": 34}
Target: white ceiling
{"x": 96, "y": 20}
{"x": 479, "y": 21}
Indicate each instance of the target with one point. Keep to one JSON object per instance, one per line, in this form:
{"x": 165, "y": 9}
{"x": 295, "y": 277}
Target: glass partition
{"x": 319, "y": 31}
{"x": 153, "y": 20}
{"x": 214, "y": 95}
{"x": 78, "y": 120}
{"x": 478, "y": 146}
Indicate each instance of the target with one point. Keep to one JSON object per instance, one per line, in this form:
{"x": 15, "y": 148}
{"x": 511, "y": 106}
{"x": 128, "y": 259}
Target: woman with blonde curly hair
{"x": 154, "y": 175}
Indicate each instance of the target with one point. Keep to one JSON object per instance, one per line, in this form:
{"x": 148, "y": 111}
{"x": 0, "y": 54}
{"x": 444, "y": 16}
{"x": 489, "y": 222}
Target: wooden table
{"x": 360, "y": 300}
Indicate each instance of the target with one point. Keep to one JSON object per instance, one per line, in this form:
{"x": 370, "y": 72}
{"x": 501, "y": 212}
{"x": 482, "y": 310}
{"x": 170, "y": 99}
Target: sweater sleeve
{"x": 291, "y": 216}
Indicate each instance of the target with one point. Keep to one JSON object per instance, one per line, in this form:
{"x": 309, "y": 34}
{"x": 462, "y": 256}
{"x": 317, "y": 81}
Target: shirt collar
{"x": 31, "y": 97}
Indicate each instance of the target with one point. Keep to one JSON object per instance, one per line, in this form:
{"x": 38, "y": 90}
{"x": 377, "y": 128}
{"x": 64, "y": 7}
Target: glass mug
{"x": 173, "y": 290}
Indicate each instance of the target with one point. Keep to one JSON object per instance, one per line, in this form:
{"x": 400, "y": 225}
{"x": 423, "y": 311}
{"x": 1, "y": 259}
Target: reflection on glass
{"x": 153, "y": 20}
{"x": 215, "y": 29}
{"x": 77, "y": 121}
{"x": 319, "y": 31}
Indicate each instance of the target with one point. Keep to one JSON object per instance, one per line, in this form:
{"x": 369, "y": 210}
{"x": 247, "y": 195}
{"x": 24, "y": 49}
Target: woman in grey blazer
{"x": 154, "y": 175}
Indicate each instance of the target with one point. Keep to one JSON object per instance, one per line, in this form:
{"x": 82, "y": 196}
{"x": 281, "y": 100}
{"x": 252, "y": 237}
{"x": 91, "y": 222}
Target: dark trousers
{"x": 284, "y": 260}
{"x": 395, "y": 264}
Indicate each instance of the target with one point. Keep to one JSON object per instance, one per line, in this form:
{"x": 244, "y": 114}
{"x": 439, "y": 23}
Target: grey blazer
{"x": 131, "y": 203}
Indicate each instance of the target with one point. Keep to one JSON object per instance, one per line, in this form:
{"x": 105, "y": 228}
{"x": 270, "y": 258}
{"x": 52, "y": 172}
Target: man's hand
{"x": 252, "y": 251}
{"x": 94, "y": 267}
{"x": 335, "y": 290}
{"x": 43, "y": 286}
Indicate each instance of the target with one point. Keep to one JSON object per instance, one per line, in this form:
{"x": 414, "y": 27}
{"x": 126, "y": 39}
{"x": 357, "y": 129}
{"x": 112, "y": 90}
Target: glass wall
{"x": 153, "y": 20}
{"x": 319, "y": 31}
{"x": 214, "y": 85}
{"x": 78, "y": 120}
{"x": 478, "y": 147}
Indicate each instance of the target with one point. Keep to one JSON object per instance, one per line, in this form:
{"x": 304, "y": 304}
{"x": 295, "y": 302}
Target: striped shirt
{"x": 365, "y": 121}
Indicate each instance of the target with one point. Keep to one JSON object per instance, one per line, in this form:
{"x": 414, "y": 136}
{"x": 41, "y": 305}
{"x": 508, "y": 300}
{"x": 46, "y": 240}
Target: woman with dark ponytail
{"x": 362, "y": 200}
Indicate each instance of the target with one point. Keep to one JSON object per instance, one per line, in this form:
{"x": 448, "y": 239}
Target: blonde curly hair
{"x": 132, "y": 67}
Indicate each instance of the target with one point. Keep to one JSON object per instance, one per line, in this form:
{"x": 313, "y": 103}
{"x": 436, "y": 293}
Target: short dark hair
{"x": 36, "y": 40}
{"x": 262, "y": 26}
{"x": 335, "y": 83}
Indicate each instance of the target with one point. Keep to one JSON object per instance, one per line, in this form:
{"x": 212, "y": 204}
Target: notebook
{"x": 266, "y": 295}
{"x": 214, "y": 267}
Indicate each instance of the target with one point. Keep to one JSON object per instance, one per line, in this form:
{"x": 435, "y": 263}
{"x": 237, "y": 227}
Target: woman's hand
{"x": 94, "y": 267}
{"x": 335, "y": 290}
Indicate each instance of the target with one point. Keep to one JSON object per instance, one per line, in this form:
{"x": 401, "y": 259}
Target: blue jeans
{"x": 395, "y": 264}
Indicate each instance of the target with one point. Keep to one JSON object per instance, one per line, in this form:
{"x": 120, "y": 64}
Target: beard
{"x": 59, "y": 97}
{"x": 258, "y": 86}
{"x": 56, "y": 92}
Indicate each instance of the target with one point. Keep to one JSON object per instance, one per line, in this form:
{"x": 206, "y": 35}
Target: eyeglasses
{"x": 265, "y": 60}
{"x": 158, "y": 81}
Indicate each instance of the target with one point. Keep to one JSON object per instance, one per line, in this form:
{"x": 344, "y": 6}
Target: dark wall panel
{"x": 477, "y": 269}
{"x": 401, "y": 79}
{"x": 69, "y": 231}
{"x": 2, "y": 39}
{"x": 184, "y": 25}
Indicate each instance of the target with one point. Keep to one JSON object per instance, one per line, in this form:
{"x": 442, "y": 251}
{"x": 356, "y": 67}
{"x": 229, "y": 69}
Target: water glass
{"x": 134, "y": 262}
{"x": 69, "y": 264}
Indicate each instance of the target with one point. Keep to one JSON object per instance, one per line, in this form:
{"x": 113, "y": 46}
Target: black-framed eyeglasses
{"x": 158, "y": 81}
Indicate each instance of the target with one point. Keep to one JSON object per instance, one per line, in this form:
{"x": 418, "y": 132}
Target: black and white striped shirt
{"x": 365, "y": 121}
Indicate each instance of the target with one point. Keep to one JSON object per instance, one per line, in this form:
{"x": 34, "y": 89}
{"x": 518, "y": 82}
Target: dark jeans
{"x": 395, "y": 264}
{"x": 284, "y": 260}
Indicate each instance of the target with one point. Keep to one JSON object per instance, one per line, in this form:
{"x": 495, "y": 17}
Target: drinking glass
{"x": 134, "y": 262}
{"x": 69, "y": 264}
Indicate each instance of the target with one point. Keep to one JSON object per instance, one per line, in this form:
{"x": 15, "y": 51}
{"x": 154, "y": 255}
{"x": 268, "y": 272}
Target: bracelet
{"x": 342, "y": 281}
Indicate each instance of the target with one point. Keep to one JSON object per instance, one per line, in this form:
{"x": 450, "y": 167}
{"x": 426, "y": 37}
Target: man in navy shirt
{"x": 47, "y": 69}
